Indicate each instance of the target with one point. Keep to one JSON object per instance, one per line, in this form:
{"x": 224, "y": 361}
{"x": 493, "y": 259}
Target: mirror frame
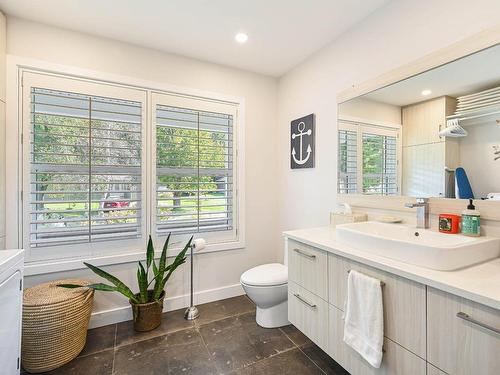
{"x": 490, "y": 210}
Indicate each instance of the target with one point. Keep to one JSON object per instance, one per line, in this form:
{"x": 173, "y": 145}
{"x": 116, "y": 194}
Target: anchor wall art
{"x": 302, "y": 142}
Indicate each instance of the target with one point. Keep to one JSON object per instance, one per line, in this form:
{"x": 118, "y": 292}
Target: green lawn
{"x": 185, "y": 202}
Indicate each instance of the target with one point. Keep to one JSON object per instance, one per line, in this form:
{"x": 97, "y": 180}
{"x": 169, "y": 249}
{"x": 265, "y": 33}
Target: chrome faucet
{"x": 422, "y": 207}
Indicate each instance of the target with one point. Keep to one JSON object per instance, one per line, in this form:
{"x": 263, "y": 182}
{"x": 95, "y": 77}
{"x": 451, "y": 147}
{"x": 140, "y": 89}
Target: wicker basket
{"x": 55, "y": 322}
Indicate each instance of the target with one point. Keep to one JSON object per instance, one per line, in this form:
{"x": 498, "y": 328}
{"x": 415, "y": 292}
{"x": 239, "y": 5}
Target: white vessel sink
{"x": 422, "y": 247}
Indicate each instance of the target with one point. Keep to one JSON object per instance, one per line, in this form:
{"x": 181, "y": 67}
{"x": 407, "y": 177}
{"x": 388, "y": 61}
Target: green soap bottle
{"x": 471, "y": 222}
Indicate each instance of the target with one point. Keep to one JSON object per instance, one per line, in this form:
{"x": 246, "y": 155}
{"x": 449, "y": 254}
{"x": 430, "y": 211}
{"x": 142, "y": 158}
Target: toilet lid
{"x": 266, "y": 275}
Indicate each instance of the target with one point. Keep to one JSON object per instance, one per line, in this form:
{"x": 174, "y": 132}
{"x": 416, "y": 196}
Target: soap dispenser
{"x": 471, "y": 223}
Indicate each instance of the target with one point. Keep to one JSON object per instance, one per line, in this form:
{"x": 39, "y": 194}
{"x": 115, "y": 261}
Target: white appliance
{"x": 267, "y": 286}
{"x": 11, "y": 303}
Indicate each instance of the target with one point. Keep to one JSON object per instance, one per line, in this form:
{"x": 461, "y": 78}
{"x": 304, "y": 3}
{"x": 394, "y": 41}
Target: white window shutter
{"x": 85, "y": 168}
{"x": 194, "y": 171}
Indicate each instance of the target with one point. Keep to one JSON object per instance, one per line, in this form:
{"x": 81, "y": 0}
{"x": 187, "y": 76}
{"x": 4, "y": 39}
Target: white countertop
{"x": 479, "y": 283}
{"x": 10, "y": 257}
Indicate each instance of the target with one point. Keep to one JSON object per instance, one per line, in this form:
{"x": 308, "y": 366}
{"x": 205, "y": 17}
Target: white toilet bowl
{"x": 267, "y": 287}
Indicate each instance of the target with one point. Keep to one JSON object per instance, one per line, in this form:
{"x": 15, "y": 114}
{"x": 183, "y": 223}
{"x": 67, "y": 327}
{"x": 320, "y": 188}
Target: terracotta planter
{"x": 147, "y": 316}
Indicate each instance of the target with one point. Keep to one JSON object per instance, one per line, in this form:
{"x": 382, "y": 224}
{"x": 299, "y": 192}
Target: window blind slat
{"x": 379, "y": 164}
{"x": 85, "y": 168}
{"x": 194, "y": 171}
{"x": 347, "y": 162}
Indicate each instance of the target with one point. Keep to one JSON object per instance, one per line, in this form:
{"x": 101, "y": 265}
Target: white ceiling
{"x": 473, "y": 73}
{"x": 282, "y": 33}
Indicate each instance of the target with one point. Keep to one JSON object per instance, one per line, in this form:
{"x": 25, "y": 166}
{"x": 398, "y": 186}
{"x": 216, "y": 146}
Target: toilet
{"x": 267, "y": 286}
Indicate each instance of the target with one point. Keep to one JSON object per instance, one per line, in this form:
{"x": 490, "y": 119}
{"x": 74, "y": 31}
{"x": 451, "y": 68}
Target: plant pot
{"x": 147, "y": 316}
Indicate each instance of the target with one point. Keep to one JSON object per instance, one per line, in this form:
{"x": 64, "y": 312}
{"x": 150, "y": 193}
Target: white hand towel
{"x": 364, "y": 317}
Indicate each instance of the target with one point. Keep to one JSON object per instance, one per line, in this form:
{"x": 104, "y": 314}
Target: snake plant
{"x": 161, "y": 273}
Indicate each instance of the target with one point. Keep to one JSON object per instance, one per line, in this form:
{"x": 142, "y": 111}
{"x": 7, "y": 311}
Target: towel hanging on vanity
{"x": 364, "y": 317}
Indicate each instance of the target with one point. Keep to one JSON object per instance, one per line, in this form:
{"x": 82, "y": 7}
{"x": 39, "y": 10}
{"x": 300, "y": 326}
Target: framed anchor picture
{"x": 302, "y": 142}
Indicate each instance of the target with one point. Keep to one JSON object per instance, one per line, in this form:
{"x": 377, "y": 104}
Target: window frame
{"x": 361, "y": 128}
{"x": 40, "y": 80}
{"x": 18, "y": 69}
{"x": 220, "y": 238}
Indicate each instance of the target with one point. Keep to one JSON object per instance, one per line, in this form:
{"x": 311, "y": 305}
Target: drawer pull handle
{"x": 467, "y": 317}
{"x": 310, "y": 256}
{"x": 300, "y": 298}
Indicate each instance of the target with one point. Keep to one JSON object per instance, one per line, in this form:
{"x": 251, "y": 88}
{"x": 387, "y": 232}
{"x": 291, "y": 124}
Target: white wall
{"x": 396, "y": 34}
{"x": 3, "y": 42}
{"x": 214, "y": 270}
{"x": 476, "y": 157}
{"x": 371, "y": 110}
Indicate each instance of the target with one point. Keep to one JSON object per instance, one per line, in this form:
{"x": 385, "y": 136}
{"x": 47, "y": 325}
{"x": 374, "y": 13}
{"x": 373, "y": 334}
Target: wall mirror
{"x": 436, "y": 134}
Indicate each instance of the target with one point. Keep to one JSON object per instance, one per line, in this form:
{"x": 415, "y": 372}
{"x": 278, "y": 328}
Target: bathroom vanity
{"x": 11, "y": 302}
{"x": 435, "y": 322}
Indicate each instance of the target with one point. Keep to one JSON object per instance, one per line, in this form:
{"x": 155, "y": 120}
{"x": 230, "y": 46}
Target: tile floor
{"x": 224, "y": 340}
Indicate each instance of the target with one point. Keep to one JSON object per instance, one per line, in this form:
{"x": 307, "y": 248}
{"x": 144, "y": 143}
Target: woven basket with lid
{"x": 55, "y": 322}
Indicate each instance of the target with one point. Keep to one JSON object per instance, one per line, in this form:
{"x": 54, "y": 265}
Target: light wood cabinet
{"x": 309, "y": 313}
{"x": 431, "y": 370}
{"x": 404, "y": 302}
{"x": 423, "y": 121}
{"x": 307, "y": 267}
{"x": 459, "y": 346}
{"x": 396, "y": 359}
{"x": 425, "y": 154}
{"x": 423, "y": 334}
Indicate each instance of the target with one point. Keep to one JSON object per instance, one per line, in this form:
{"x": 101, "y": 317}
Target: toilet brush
{"x": 192, "y": 311}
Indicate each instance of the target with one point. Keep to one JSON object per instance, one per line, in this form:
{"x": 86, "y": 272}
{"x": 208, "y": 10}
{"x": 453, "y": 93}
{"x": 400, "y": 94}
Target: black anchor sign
{"x": 302, "y": 142}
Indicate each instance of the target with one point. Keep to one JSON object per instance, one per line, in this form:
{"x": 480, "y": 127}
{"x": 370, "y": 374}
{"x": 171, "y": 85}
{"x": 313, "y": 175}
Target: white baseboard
{"x": 121, "y": 314}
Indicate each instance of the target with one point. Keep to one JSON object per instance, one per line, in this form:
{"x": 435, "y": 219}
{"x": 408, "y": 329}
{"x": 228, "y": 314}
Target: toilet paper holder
{"x": 192, "y": 312}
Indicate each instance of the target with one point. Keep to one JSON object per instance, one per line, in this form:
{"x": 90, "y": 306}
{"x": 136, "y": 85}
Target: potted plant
{"x": 147, "y": 305}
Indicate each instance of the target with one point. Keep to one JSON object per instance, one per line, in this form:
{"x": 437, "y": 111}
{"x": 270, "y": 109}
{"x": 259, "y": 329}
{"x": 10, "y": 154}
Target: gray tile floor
{"x": 224, "y": 340}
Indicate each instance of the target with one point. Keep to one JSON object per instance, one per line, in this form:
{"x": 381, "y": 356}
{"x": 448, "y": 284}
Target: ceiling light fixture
{"x": 241, "y": 38}
{"x": 426, "y": 92}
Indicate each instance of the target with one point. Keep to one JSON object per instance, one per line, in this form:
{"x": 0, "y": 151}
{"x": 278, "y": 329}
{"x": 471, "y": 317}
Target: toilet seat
{"x": 272, "y": 274}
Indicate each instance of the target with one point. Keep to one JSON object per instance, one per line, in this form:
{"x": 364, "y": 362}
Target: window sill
{"x": 70, "y": 264}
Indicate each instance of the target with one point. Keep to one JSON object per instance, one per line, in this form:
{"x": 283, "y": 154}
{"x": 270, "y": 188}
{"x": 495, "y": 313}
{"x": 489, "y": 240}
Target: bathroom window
{"x": 368, "y": 159}
{"x": 106, "y": 165}
{"x": 84, "y": 151}
{"x": 347, "y": 162}
{"x": 379, "y": 164}
{"x": 195, "y": 184}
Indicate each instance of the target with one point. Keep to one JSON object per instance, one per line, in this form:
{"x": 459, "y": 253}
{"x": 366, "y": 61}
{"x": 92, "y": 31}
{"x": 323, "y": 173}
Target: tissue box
{"x": 337, "y": 218}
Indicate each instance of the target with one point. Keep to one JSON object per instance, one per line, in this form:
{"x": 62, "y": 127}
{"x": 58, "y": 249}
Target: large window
{"x": 347, "y": 161}
{"x": 195, "y": 181}
{"x": 83, "y": 145}
{"x": 87, "y": 170}
{"x": 368, "y": 159}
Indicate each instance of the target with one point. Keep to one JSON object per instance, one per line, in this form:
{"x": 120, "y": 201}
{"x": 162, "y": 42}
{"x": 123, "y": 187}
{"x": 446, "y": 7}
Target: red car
{"x": 115, "y": 200}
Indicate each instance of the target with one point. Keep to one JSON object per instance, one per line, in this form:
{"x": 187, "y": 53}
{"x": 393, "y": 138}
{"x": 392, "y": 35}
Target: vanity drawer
{"x": 403, "y": 299}
{"x": 396, "y": 360}
{"x": 308, "y": 267}
{"x": 309, "y": 314}
{"x": 459, "y": 346}
{"x": 431, "y": 370}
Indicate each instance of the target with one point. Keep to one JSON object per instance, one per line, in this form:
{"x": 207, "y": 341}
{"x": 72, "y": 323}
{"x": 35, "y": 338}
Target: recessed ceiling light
{"x": 426, "y": 92}
{"x": 241, "y": 38}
